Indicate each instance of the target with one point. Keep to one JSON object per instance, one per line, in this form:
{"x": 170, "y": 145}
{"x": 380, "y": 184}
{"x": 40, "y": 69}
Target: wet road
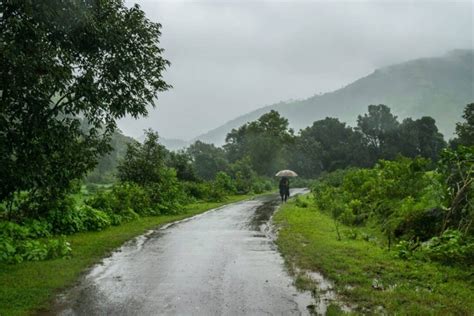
{"x": 222, "y": 262}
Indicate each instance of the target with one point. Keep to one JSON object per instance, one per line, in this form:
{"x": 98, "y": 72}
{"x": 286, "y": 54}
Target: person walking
{"x": 284, "y": 188}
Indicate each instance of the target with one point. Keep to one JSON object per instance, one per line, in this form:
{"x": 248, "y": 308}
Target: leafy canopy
{"x": 263, "y": 140}
{"x": 68, "y": 70}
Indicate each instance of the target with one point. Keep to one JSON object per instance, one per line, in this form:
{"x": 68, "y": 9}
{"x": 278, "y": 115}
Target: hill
{"x": 438, "y": 86}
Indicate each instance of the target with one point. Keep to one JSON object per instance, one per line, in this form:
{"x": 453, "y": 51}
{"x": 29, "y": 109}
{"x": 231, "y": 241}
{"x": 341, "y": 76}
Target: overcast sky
{"x": 231, "y": 57}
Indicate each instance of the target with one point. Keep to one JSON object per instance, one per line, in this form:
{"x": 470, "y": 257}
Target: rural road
{"x": 222, "y": 262}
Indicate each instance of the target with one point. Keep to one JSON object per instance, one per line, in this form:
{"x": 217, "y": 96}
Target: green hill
{"x": 438, "y": 86}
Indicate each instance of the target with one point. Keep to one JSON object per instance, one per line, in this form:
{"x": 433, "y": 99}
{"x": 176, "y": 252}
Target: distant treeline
{"x": 268, "y": 144}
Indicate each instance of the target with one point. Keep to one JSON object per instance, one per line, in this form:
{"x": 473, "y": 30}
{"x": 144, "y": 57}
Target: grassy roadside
{"x": 366, "y": 275}
{"x": 30, "y": 286}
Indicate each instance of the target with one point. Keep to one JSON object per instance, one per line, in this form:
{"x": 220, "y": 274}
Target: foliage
{"x": 391, "y": 193}
{"x": 207, "y": 160}
{"x": 182, "y": 162}
{"x": 365, "y": 275}
{"x": 105, "y": 171}
{"x": 379, "y": 127}
{"x": 465, "y": 130}
{"x": 243, "y": 175}
{"x": 224, "y": 182}
{"x": 65, "y": 218}
{"x": 94, "y": 220}
{"x": 263, "y": 141}
{"x": 19, "y": 243}
{"x": 143, "y": 163}
{"x": 457, "y": 168}
{"x": 214, "y": 191}
{"x": 261, "y": 185}
{"x": 326, "y": 146}
{"x": 419, "y": 138}
{"x": 68, "y": 70}
{"x": 406, "y": 201}
{"x": 452, "y": 247}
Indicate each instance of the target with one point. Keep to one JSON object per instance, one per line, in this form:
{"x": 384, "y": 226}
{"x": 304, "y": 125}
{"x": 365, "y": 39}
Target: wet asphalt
{"x": 222, "y": 262}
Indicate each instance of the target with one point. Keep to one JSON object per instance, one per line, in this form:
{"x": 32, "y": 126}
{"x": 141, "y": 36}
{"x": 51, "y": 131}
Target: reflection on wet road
{"x": 222, "y": 262}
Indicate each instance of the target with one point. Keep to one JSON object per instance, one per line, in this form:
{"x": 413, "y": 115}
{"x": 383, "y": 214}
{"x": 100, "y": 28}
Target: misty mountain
{"x": 439, "y": 87}
{"x": 106, "y": 167}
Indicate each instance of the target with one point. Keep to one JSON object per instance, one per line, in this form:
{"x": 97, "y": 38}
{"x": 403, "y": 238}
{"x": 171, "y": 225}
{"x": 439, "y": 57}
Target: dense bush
{"x": 394, "y": 193}
{"x": 261, "y": 185}
{"x": 18, "y": 243}
{"x": 404, "y": 199}
{"x": 124, "y": 201}
{"x": 65, "y": 218}
{"x": 452, "y": 247}
{"x": 94, "y": 220}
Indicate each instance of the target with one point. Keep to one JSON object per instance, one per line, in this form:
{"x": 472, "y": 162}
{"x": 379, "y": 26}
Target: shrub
{"x": 94, "y": 220}
{"x": 32, "y": 250}
{"x": 261, "y": 185}
{"x": 452, "y": 247}
{"x": 58, "y": 248}
{"x": 38, "y": 228}
{"x": 122, "y": 202}
{"x": 223, "y": 182}
{"x": 8, "y": 251}
{"x": 16, "y": 251}
{"x": 196, "y": 190}
{"x": 13, "y": 231}
{"x": 65, "y": 218}
{"x": 168, "y": 195}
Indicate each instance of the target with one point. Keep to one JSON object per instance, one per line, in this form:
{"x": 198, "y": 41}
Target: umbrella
{"x": 286, "y": 173}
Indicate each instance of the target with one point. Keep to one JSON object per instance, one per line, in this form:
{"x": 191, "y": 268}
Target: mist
{"x": 232, "y": 57}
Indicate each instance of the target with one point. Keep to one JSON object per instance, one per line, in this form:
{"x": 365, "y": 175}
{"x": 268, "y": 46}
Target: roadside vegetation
{"x": 366, "y": 276}
{"x": 32, "y": 285}
{"x": 395, "y": 238}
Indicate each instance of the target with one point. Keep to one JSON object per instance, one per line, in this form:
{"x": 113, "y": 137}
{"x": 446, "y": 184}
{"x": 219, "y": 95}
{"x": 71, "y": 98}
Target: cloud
{"x": 230, "y": 57}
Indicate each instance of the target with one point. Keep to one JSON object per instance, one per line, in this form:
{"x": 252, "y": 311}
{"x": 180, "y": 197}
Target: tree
{"x": 326, "y": 146}
{"x": 68, "y": 70}
{"x": 263, "y": 141}
{"x": 243, "y": 175}
{"x": 143, "y": 164}
{"x": 465, "y": 130}
{"x": 420, "y": 138}
{"x": 181, "y": 161}
{"x": 379, "y": 127}
{"x": 207, "y": 159}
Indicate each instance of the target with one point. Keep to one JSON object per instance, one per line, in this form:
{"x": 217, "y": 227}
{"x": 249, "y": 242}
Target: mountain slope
{"x": 439, "y": 87}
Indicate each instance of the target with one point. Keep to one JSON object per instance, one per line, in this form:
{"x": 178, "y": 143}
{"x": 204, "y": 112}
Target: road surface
{"x": 222, "y": 262}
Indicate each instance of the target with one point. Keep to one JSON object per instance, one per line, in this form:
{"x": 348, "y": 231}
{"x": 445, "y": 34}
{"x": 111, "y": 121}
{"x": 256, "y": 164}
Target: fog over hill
{"x": 437, "y": 86}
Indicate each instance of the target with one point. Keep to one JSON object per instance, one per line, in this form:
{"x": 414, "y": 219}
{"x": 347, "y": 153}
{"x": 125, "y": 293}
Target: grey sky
{"x": 231, "y": 57}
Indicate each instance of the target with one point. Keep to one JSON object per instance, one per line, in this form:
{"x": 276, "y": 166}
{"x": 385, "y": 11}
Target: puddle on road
{"x": 322, "y": 294}
{"x": 263, "y": 213}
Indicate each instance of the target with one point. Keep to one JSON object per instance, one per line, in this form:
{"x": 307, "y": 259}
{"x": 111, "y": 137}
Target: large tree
{"x": 68, "y": 70}
{"x": 380, "y": 128}
{"x": 263, "y": 141}
{"x": 207, "y": 159}
{"x": 420, "y": 138}
{"x": 143, "y": 164}
{"x": 326, "y": 146}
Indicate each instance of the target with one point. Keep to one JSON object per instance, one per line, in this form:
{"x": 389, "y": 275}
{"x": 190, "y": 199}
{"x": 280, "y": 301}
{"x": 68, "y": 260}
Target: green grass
{"x": 31, "y": 286}
{"x": 308, "y": 240}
